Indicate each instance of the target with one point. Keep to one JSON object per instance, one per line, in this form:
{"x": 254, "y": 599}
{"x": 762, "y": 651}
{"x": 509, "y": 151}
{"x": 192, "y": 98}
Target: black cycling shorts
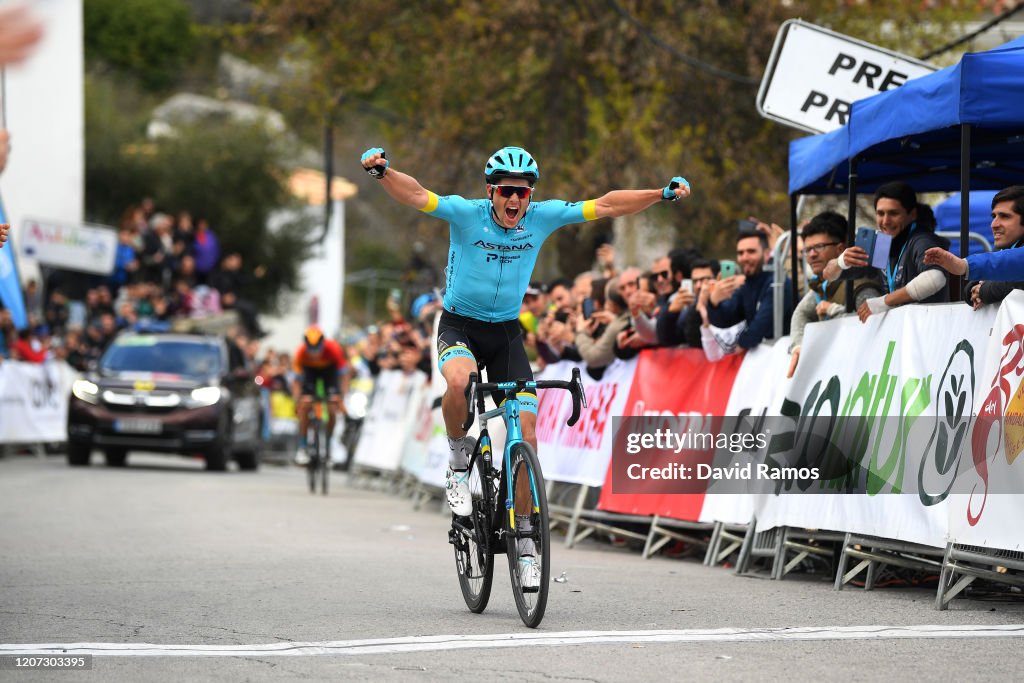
{"x": 329, "y": 375}
{"x": 498, "y": 347}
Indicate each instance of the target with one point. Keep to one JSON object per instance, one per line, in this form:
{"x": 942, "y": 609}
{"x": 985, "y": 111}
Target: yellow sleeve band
{"x": 431, "y": 204}
{"x": 590, "y": 210}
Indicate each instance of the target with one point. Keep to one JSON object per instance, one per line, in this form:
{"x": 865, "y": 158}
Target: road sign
{"x": 814, "y": 75}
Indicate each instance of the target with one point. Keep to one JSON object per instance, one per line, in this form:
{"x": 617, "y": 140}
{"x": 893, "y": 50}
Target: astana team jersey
{"x": 489, "y": 267}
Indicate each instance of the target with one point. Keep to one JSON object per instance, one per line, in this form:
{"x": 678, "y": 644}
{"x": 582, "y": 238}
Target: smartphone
{"x": 686, "y": 285}
{"x": 396, "y": 295}
{"x": 588, "y": 307}
{"x": 746, "y": 226}
{"x": 729, "y": 268}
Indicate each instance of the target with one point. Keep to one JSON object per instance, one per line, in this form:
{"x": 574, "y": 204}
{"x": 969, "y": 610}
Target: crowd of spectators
{"x": 168, "y": 269}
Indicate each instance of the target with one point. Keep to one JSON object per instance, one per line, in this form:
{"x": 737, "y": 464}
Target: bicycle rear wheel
{"x": 325, "y": 459}
{"x": 531, "y": 602}
{"x": 471, "y": 536}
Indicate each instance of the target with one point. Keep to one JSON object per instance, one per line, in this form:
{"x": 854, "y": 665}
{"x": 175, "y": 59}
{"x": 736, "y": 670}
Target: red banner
{"x": 672, "y": 383}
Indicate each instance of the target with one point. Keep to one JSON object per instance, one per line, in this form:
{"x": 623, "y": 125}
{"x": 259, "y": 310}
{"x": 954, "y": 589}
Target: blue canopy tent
{"x": 960, "y": 128}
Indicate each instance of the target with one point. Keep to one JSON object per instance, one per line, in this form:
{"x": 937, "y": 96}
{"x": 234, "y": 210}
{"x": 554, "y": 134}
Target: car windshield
{"x": 175, "y": 357}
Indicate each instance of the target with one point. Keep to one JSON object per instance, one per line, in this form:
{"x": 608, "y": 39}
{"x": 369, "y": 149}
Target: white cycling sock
{"x": 525, "y": 546}
{"x": 458, "y": 459}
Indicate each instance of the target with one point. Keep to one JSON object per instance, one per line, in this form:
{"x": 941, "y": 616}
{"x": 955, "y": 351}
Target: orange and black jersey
{"x": 330, "y": 358}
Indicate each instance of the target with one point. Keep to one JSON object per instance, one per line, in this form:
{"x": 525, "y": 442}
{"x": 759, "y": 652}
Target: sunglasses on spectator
{"x": 815, "y": 248}
{"x": 662, "y": 275}
{"x": 517, "y": 190}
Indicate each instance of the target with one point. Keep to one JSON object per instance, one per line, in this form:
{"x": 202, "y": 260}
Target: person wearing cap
{"x": 494, "y": 243}
{"x": 317, "y": 359}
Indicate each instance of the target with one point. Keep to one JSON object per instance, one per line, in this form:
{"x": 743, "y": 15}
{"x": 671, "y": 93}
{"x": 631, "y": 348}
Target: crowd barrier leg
{"x": 725, "y": 540}
{"x": 667, "y": 530}
{"x": 574, "y": 521}
{"x": 747, "y": 546}
{"x": 874, "y": 553}
{"x": 806, "y": 543}
{"x": 971, "y": 563}
{"x": 37, "y": 449}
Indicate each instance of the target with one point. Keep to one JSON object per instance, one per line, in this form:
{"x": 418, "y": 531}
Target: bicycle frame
{"x": 509, "y": 410}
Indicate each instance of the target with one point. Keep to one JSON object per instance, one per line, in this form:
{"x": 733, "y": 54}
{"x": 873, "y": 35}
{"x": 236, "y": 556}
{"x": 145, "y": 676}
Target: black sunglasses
{"x": 663, "y": 275}
{"x": 517, "y": 190}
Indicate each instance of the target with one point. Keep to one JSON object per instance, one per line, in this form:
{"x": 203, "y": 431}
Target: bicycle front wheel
{"x": 313, "y": 453}
{"x": 471, "y": 536}
{"x": 528, "y": 539}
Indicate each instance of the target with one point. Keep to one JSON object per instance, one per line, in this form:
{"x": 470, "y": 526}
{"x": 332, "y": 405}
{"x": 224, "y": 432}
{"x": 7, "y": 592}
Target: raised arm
{"x": 402, "y": 187}
{"x": 625, "y": 202}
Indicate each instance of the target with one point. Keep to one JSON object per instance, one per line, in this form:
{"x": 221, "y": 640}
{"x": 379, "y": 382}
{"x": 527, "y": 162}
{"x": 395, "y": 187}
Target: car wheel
{"x": 79, "y": 454}
{"x": 116, "y": 457}
{"x": 248, "y": 460}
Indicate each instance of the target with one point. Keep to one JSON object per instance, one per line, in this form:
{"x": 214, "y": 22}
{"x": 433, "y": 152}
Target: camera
{"x": 588, "y": 307}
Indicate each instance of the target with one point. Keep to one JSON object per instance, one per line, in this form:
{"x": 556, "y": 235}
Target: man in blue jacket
{"x": 748, "y": 297}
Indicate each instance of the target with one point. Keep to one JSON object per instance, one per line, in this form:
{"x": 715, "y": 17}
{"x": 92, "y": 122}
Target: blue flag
{"x": 10, "y": 286}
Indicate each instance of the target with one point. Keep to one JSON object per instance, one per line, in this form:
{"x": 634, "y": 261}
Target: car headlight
{"x": 86, "y": 391}
{"x": 203, "y": 396}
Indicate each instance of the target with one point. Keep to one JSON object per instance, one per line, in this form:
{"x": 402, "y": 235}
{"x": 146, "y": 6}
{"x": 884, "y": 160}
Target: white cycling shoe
{"x": 457, "y": 491}
{"x": 301, "y": 457}
{"x": 529, "y": 573}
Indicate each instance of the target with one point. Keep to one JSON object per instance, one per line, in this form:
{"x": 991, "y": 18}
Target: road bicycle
{"x": 319, "y": 466}
{"x": 503, "y": 500}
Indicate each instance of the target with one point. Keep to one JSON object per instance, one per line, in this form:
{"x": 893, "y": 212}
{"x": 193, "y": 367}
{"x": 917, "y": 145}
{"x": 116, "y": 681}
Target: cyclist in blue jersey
{"x": 494, "y": 244}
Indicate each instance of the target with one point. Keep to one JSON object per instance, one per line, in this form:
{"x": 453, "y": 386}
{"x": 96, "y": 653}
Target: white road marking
{"x": 377, "y": 646}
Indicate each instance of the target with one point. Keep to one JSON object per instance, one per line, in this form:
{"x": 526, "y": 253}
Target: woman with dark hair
{"x": 908, "y": 277}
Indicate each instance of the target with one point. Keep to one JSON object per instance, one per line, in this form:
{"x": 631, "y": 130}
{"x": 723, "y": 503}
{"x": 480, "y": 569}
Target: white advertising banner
{"x": 82, "y": 247}
{"x": 391, "y": 419}
{"x": 580, "y": 454}
{"x": 814, "y": 75}
{"x": 756, "y": 392}
{"x": 992, "y": 468}
{"x": 902, "y": 379}
{"x": 34, "y": 401}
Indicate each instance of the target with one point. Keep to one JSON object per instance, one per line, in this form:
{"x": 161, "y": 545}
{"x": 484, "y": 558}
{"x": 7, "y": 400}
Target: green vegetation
{"x": 150, "y": 39}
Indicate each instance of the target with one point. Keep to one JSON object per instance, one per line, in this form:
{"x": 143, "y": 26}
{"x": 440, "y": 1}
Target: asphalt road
{"x": 163, "y": 553}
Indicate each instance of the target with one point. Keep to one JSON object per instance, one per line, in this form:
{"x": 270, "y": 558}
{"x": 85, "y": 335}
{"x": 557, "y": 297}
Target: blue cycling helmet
{"x": 511, "y": 162}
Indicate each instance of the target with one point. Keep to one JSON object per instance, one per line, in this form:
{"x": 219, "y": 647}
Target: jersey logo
{"x": 492, "y": 246}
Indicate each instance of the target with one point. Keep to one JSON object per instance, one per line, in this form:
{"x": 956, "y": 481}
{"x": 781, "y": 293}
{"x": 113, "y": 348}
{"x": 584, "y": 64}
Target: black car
{"x": 172, "y": 393}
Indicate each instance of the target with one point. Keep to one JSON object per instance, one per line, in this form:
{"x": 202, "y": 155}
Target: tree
{"x": 604, "y": 94}
{"x": 229, "y": 173}
{"x": 151, "y": 39}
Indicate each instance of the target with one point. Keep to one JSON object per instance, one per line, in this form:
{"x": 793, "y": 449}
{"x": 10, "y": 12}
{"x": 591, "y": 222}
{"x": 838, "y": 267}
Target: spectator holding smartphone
{"x": 748, "y": 297}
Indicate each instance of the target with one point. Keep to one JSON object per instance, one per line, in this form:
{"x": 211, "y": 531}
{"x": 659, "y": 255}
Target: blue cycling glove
{"x": 668, "y": 194}
{"x": 376, "y": 171}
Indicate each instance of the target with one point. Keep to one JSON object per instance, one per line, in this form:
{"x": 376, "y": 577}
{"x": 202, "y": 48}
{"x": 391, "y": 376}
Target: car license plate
{"x": 138, "y": 425}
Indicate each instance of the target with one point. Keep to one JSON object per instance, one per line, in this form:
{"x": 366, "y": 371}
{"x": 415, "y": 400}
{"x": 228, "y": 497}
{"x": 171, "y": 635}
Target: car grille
{"x": 150, "y": 402}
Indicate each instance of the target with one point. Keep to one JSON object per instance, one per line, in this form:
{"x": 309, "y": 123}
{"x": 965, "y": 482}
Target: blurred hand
{"x": 4, "y": 227}
{"x": 19, "y": 33}
{"x": 794, "y": 358}
{"x": 945, "y": 260}
{"x": 772, "y": 230}
{"x": 606, "y": 255}
{"x": 602, "y": 317}
{"x": 822, "y": 309}
{"x": 976, "y": 301}
{"x": 681, "y": 300}
{"x": 726, "y": 288}
{"x": 855, "y": 257}
{"x": 642, "y": 301}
